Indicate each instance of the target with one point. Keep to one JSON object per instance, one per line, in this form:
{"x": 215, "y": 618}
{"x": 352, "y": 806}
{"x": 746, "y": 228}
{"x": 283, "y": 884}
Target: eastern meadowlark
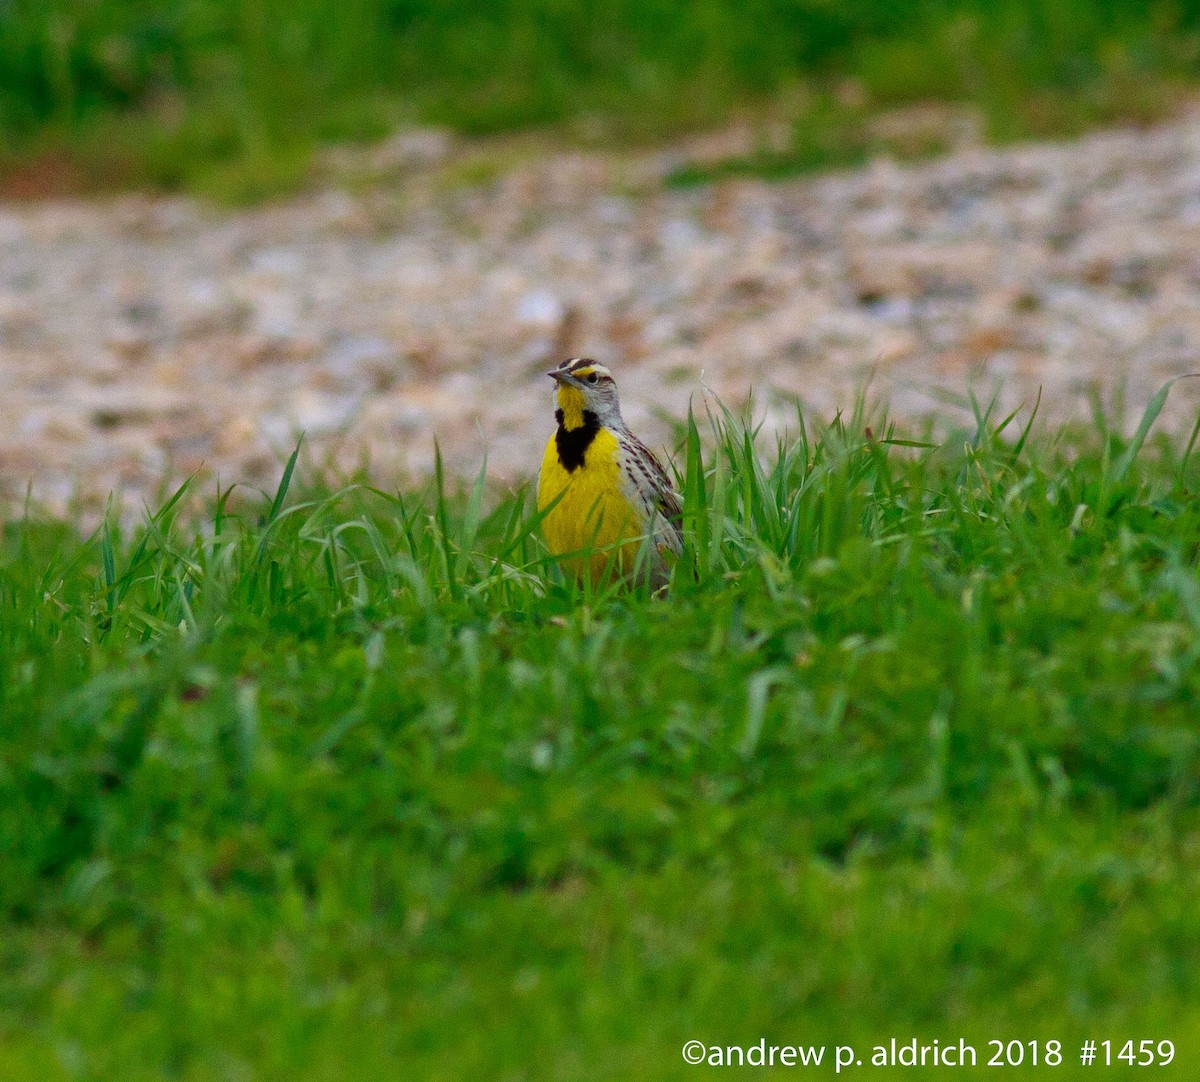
{"x": 608, "y": 499}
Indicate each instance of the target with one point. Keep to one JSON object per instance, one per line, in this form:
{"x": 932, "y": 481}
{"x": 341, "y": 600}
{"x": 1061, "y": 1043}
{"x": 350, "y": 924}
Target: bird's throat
{"x": 570, "y": 408}
{"x": 572, "y": 443}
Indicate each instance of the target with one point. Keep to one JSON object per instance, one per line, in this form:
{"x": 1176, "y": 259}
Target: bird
{"x": 608, "y": 507}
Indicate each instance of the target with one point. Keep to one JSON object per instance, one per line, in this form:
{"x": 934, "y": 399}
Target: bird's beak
{"x": 559, "y": 376}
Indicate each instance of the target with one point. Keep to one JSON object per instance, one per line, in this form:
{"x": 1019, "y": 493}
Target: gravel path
{"x": 144, "y": 337}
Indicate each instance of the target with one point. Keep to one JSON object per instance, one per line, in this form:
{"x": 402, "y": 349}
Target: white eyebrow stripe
{"x": 575, "y": 365}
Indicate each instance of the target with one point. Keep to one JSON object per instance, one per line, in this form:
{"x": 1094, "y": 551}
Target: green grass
{"x": 350, "y": 785}
{"x": 232, "y": 97}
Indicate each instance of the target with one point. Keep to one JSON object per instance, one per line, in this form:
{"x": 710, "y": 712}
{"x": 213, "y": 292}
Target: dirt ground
{"x": 145, "y": 338}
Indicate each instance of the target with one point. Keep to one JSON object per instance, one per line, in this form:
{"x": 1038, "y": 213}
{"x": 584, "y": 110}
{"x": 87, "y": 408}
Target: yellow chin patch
{"x": 570, "y": 401}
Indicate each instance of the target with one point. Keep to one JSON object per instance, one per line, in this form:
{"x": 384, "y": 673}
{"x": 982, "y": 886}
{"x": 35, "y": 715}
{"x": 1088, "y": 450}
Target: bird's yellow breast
{"x": 593, "y": 516}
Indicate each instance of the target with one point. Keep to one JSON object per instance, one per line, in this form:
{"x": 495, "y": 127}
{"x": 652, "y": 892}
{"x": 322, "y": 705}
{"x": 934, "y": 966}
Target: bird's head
{"x": 585, "y": 386}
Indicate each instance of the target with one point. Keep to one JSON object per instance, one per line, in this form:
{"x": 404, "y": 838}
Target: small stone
{"x": 129, "y": 342}
{"x": 539, "y": 309}
{"x": 320, "y": 414}
{"x": 363, "y": 361}
{"x": 412, "y": 148}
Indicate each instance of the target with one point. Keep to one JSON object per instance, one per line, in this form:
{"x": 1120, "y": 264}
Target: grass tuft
{"x": 909, "y": 743}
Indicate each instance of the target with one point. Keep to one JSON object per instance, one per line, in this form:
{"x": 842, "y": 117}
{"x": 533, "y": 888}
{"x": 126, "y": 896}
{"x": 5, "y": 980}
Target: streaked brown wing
{"x": 666, "y": 499}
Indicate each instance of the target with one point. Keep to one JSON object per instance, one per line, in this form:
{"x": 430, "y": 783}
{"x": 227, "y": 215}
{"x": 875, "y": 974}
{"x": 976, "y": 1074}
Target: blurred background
{"x": 232, "y": 98}
{"x": 226, "y": 222}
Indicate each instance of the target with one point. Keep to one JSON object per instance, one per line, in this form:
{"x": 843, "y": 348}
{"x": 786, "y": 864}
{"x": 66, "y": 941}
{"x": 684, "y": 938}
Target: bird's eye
{"x": 592, "y": 377}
